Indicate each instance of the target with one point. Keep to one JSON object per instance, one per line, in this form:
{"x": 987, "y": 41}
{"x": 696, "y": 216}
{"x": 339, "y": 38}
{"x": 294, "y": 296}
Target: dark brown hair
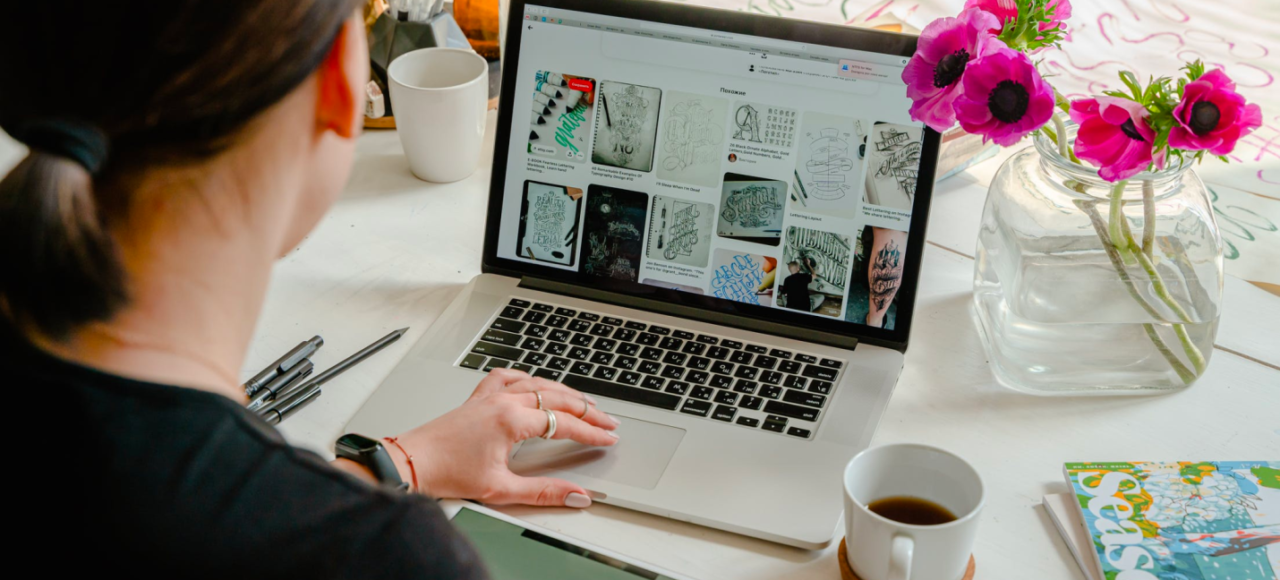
{"x": 101, "y": 93}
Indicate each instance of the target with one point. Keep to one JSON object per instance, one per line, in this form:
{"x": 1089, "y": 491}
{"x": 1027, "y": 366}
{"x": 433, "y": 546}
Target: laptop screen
{"x": 762, "y": 176}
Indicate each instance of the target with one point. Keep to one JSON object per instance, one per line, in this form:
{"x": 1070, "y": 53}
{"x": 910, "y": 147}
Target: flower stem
{"x": 1148, "y": 217}
{"x": 1061, "y": 127}
{"x": 1117, "y": 216}
{"x": 1183, "y": 372}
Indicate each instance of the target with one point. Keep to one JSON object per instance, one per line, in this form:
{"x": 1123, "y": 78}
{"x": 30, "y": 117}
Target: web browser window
{"x": 749, "y": 169}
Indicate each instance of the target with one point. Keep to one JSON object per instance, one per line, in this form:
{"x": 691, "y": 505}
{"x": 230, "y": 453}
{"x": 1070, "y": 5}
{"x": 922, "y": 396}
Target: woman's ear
{"x": 342, "y": 77}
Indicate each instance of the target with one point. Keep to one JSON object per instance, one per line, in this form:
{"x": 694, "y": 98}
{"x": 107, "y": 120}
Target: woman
{"x": 176, "y": 149}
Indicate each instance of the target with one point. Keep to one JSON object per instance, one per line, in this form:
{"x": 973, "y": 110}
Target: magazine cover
{"x": 1215, "y": 520}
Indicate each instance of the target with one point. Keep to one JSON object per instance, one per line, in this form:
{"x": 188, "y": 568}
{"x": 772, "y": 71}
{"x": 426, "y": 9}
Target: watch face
{"x": 357, "y": 444}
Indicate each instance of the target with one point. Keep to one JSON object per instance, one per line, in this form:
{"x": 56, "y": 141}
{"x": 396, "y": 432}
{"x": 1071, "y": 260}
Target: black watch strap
{"x": 373, "y": 456}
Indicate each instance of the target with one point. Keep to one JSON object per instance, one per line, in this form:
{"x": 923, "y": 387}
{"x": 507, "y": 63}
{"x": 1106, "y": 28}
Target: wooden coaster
{"x": 847, "y": 573}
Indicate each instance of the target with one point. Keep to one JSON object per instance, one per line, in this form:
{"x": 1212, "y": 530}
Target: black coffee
{"x": 912, "y": 510}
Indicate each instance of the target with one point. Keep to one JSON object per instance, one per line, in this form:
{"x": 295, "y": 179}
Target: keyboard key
{"x": 606, "y": 373}
{"x": 776, "y": 419}
{"x": 472, "y": 361}
{"x": 633, "y": 325}
{"x": 721, "y": 381}
{"x": 798, "y": 432}
{"x": 741, "y": 357}
{"x": 807, "y": 359}
{"x": 558, "y": 364}
{"x": 602, "y": 358}
{"x": 548, "y": 374}
{"x": 581, "y": 368}
{"x": 694, "y": 348}
{"x": 748, "y": 421}
{"x": 745, "y": 386}
{"x": 793, "y": 411}
{"x": 579, "y": 325}
{"x": 625, "y": 363}
{"x": 789, "y": 366}
{"x": 756, "y": 349}
{"x": 629, "y": 378}
{"x": 650, "y": 367}
{"x": 532, "y": 343}
{"x": 652, "y": 382}
{"x": 722, "y": 367}
{"x": 581, "y": 340}
{"x": 831, "y": 363}
{"x": 698, "y": 363}
{"x": 651, "y": 353}
{"x": 498, "y": 350}
{"x": 518, "y": 303}
{"x": 745, "y": 372}
{"x": 589, "y": 317}
{"x": 771, "y": 377}
{"x": 556, "y": 348}
{"x": 726, "y": 397}
{"x": 817, "y": 372}
{"x": 605, "y": 344}
{"x": 543, "y": 308}
{"x": 534, "y": 316}
{"x": 765, "y": 362}
{"x": 820, "y": 387}
{"x": 628, "y": 349}
{"x": 724, "y": 413}
{"x": 557, "y": 321}
{"x": 699, "y": 408}
{"x": 560, "y": 336}
{"x": 731, "y": 344}
{"x": 601, "y": 329}
{"x": 779, "y": 353}
{"x": 673, "y": 371}
{"x": 535, "y": 358}
{"x": 512, "y": 312}
{"x": 677, "y": 387}
{"x": 624, "y": 334}
{"x": 671, "y": 343}
{"x": 704, "y": 393}
{"x": 718, "y": 352}
{"x": 771, "y": 392}
{"x": 696, "y": 377}
{"x": 566, "y": 312}
{"x": 612, "y": 321}
{"x": 522, "y": 367}
{"x": 496, "y": 363}
{"x": 616, "y": 391}
{"x": 749, "y": 402}
{"x": 675, "y": 358}
{"x": 579, "y": 353}
{"x": 774, "y": 426}
{"x": 660, "y": 330}
{"x": 500, "y": 337}
{"x": 803, "y": 398}
{"x": 648, "y": 339}
{"x": 706, "y": 339}
{"x": 794, "y": 382}
{"x": 536, "y": 331}
{"x": 507, "y": 325}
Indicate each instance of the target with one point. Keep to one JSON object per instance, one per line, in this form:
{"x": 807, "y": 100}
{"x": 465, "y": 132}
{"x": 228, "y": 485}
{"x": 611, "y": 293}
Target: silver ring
{"x": 539, "y": 396}
{"x": 586, "y": 408}
{"x": 551, "y": 424}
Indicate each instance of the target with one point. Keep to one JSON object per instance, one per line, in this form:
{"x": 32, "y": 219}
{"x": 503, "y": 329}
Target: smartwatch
{"x": 373, "y": 456}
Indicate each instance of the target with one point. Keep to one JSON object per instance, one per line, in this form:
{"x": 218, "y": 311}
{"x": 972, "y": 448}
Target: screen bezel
{"x": 735, "y": 23}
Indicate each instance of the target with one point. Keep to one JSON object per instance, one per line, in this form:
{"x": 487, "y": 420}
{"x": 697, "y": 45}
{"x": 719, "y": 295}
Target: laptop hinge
{"x": 682, "y": 311}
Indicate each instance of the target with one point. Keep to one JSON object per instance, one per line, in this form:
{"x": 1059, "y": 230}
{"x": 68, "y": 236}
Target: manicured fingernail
{"x": 613, "y": 419}
{"x": 577, "y": 500}
{"x": 612, "y": 434}
{"x": 591, "y": 400}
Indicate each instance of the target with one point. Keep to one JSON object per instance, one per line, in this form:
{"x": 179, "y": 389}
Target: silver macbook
{"x": 711, "y": 221}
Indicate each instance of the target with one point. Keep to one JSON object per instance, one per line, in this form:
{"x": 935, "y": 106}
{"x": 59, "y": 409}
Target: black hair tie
{"x": 77, "y": 141}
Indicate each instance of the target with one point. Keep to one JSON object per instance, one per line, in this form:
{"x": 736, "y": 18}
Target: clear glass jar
{"x": 1063, "y": 311}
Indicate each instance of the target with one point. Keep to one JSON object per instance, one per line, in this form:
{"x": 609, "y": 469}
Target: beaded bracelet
{"x": 413, "y": 473}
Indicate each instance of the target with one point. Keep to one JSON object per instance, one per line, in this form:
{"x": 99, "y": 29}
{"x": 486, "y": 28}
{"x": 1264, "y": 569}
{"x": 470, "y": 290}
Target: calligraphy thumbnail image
{"x": 692, "y": 138}
{"x": 878, "y": 263}
{"x": 743, "y": 276}
{"x": 680, "y": 231}
{"x": 549, "y": 223}
{"x": 814, "y": 271}
{"x": 613, "y": 232}
{"x": 751, "y": 209}
{"x": 764, "y": 124}
{"x": 561, "y": 116}
{"x": 828, "y": 165}
{"x": 894, "y": 153}
{"x": 626, "y": 126}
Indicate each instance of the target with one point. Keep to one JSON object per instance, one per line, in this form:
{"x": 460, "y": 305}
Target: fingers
{"x": 570, "y": 402}
{"x": 542, "y": 385}
{"x": 497, "y": 380}
{"x": 540, "y": 491}
{"x": 534, "y": 424}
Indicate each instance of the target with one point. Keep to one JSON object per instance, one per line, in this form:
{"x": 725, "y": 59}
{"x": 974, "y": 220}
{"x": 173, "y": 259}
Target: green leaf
{"x": 1131, "y": 81}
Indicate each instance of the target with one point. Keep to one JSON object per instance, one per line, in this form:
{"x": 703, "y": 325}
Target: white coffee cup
{"x": 439, "y": 97}
{"x": 882, "y": 549}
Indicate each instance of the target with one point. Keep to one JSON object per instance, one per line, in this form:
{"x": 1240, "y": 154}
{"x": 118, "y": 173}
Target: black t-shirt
{"x": 796, "y": 289}
{"x": 167, "y": 482}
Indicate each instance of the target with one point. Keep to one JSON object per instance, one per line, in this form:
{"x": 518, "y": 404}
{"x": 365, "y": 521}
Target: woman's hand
{"x": 464, "y": 453}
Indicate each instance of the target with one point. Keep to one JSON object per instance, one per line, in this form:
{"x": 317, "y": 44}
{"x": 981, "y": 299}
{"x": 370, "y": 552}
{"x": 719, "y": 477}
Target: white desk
{"x": 395, "y": 251}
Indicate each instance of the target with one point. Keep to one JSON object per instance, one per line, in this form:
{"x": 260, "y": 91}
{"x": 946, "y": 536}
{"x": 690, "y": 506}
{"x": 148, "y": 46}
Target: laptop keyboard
{"x": 720, "y": 379}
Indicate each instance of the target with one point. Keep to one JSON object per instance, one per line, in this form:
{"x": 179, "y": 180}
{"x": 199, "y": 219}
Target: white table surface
{"x": 394, "y": 251}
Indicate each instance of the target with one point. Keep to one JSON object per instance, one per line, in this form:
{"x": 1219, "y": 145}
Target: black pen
{"x": 303, "y": 394}
{"x": 303, "y": 351}
{"x": 290, "y": 404}
{"x": 273, "y": 389}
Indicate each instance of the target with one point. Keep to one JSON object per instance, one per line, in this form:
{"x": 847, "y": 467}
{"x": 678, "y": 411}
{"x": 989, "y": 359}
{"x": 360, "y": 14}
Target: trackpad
{"x": 638, "y": 459}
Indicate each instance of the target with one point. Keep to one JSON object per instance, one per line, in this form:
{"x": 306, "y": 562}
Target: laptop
{"x": 711, "y": 221}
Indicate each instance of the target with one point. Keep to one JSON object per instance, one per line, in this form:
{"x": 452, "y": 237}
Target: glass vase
{"x": 1087, "y": 287}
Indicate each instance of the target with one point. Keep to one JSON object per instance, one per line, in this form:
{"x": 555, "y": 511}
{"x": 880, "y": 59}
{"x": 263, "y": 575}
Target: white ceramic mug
{"x": 439, "y": 97}
{"x": 882, "y": 549}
